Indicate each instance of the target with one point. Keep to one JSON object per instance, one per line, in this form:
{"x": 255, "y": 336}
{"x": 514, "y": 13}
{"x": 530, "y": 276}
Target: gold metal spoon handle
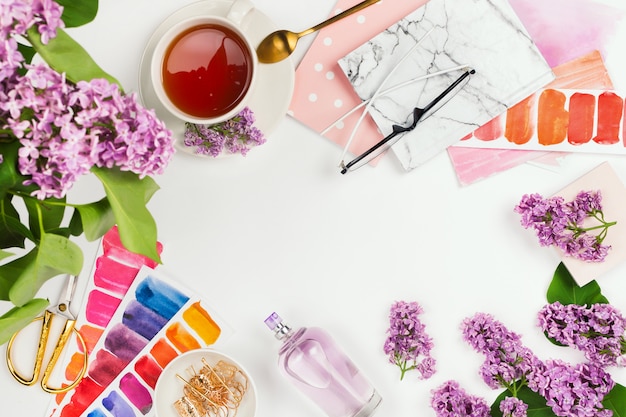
{"x": 339, "y": 16}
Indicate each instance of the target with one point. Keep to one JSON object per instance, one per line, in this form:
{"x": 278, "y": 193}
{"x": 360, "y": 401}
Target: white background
{"x": 281, "y": 230}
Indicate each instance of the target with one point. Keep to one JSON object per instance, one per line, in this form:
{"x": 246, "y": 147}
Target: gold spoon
{"x": 280, "y": 44}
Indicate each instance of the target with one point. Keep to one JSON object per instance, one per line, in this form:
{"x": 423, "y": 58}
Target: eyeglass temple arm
{"x": 445, "y": 93}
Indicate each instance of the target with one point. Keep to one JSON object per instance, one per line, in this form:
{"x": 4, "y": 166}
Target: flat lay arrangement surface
{"x": 437, "y": 277}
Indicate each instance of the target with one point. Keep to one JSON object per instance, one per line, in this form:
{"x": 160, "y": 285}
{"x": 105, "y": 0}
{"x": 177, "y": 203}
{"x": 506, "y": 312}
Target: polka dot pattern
{"x": 322, "y": 92}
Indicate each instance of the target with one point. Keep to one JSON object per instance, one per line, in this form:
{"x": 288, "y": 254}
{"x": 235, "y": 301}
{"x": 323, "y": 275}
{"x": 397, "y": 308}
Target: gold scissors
{"x": 62, "y": 309}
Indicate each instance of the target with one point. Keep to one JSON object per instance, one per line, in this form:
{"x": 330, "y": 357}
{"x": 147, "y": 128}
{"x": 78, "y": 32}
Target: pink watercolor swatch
{"x": 566, "y": 29}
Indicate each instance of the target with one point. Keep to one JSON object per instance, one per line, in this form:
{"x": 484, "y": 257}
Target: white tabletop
{"x": 281, "y": 230}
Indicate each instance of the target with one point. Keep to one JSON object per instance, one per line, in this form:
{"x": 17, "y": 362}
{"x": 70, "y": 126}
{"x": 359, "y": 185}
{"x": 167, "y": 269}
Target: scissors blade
{"x": 63, "y": 306}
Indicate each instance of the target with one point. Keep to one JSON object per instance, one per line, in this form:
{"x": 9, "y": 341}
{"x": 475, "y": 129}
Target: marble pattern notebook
{"x": 486, "y": 35}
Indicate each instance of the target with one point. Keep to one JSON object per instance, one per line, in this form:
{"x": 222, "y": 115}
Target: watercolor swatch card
{"x": 150, "y": 306}
{"x": 473, "y": 164}
{"x": 439, "y": 36}
{"x": 604, "y": 179}
{"x": 565, "y": 120}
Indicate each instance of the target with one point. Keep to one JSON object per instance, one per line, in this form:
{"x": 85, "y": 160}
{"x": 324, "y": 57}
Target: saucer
{"x": 273, "y": 88}
{"x": 169, "y": 388}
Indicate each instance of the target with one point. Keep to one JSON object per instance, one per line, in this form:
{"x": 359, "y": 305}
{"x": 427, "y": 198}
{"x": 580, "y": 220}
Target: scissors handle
{"x": 41, "y": 350}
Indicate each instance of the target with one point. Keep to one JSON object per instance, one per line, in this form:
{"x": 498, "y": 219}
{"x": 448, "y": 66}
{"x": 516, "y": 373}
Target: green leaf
{"x": 78, "y": 12}
{"x": 12, "y": 231}
{"x": 10, "y": 178}
{"x": 28, "y": 52}
{"x": 564, "y": 289}
{"x": 96, "y": 218}
{"x": 65, "y": 55}
{"x": 50, "y": 210}
{"x": 536, "y": 403}
{"x": 19, "y": 317}
{"x": 128, "y": 196}
{"x": 5, "y": 254}
{"x": 616, "y": 401}
{"x": 55, "y": 255}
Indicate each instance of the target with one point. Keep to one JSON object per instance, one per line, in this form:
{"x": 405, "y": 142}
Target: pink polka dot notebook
{"x": 322, "y": 93}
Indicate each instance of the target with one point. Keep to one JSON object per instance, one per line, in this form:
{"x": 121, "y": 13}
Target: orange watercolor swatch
{"x": 75, "y": 365}
{"x": 582, "y": 109}
{"x": 519, "y": 122}
{"x": 181, "y": 338}
{"x": 91, "y": 335}
{"x": 610, "y": 110}
{"x": 552, "y": 117}
{"x": 201, "y": 321}
{"x": 163, "y": 353}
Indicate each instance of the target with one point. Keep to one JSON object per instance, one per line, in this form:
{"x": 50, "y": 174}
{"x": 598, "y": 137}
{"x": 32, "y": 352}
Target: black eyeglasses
{"x": 419, "y": 114}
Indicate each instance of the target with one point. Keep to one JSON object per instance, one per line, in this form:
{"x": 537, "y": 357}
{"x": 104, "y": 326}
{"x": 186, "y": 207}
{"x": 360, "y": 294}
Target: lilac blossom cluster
{"x": 408, "y": 345}
{"x": 236, "y": 135}
{"x": 562, "y": 224}
{"x": 513, "y": 407}
{"x": 450, "y": 400}
{"x": 569, "y": 390}
{"x": 573, "y": 390}
{"x": 16, "y": 17}
{"x": 596, "y": 330}
{"x": 65, "y": 129}
{"x": 507, "y": 361}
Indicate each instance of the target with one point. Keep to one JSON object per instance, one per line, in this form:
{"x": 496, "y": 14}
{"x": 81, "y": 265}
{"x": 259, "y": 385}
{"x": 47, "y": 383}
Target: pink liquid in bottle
{"x": 314, "y": 363}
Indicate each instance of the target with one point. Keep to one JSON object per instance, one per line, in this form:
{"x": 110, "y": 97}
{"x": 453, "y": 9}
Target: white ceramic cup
{"x": 235, "y": 19}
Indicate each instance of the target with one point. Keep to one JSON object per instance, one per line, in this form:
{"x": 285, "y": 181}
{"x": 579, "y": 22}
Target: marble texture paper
{"x": 485, "y": 35}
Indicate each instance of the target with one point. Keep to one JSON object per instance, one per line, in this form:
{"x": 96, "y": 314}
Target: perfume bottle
{"x": 313, "y": 362}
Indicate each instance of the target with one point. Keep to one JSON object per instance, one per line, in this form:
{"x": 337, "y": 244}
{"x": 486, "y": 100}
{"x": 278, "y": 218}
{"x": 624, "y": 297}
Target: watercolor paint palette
{"x": 566, "y": 120}
{"x": 156, "y": 321}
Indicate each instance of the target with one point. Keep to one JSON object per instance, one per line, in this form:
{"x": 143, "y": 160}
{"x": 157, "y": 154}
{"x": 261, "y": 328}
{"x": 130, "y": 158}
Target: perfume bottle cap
{"x": 275, "y": 323}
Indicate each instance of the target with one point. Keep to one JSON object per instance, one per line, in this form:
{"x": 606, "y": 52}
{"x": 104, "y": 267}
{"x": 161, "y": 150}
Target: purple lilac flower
{"x": 449, "y": 400}
{"x": 596, "y": 330}
{"x": 507, "y": 360}
{"x": 408, "y": 345}
{"x": 561, "y": 224}
{"x": 513, "y": 407}
{"x": 17, "y": 16}
{"x": 71, "y": 128}
{"x": 573, "y": 390}
{"x": 236, "y": 135}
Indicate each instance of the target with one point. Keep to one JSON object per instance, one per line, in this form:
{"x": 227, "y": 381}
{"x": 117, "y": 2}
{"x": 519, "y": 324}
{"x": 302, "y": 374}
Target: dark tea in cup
{"x": 207, "y": 70}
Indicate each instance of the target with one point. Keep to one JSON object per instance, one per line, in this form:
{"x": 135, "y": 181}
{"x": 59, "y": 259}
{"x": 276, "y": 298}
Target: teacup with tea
{"x": 203, "y": 68}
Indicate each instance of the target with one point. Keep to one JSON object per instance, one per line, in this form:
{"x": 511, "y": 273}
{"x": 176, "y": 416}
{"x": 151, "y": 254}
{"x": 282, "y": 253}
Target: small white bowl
{"x": 169, "y": 388}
